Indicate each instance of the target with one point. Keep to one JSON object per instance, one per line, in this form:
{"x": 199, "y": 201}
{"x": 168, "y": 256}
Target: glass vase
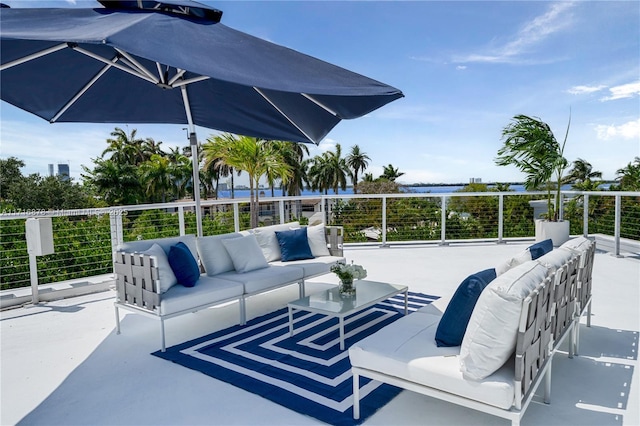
{"x": 346, "y": 287}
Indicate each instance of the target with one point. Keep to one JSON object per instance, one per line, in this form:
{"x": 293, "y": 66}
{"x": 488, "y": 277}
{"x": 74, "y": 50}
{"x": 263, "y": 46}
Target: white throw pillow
{"x": 521, "y": 258}
{"x": 166, "y": 276}
{"x": 580, "y": 244}
{"x": 266, "y": 237}
{"x": 245, "y": 253}
{"x": 317, "y": 241}
{"x": 491, "y": 334}
{"x": 214, "y": 255}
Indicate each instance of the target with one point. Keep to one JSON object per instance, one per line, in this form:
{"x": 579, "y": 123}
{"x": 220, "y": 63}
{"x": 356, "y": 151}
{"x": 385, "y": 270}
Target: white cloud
{"x": 461, "y": 67}
{"x": 580, "y": 90}
{"x": 629, "y": 130}
{"x": 623, "y": 91}
{"x": 532, "y": 33}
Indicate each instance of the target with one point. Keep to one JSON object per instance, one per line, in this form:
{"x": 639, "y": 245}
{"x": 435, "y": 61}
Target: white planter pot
{"x": 557, "y": 231}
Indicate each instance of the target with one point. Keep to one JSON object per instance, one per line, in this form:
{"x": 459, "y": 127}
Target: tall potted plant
{"x": 531, "y": 146}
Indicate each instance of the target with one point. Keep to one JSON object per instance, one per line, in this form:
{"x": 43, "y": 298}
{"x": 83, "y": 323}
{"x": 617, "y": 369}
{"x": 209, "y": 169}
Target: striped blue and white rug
{"x": 308, "y": 372}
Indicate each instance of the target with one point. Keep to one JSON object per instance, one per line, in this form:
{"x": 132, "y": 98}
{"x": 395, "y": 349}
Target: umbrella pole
{"x": 193, "y": 141}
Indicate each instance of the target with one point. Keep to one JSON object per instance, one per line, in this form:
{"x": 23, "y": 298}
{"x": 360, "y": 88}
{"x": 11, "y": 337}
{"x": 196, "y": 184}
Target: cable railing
{"x": 85, "y": 239}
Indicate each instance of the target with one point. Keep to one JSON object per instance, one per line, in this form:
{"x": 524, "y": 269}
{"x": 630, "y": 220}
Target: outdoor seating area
{"x": 599, "y": 386}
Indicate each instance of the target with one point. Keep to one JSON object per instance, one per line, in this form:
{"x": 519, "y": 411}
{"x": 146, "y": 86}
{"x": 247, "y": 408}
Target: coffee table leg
{"x": 341, "y": 333}
{"x": 290, "y": 322}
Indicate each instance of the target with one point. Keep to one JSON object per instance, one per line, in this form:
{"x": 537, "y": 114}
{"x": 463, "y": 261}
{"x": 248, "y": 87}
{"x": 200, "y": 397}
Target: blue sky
{"x": 466, "y": 68}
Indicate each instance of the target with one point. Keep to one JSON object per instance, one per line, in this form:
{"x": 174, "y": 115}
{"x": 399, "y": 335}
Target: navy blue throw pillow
{"x": 455, "y": 319}
{"x": 540, "y": 249}
{"x": 294, "y": 244}
{"x": 183, "y": 264}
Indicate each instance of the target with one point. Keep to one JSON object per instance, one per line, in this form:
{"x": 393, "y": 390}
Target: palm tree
{"x": 390, "y": 173}
{"x": 124, "y": 149}
{"x": 156, "y": 177}
{"x": 368, "y": 177}
{"x": 116, "y": 183}
{"x": 357, "y": 161}
{"x": 582, "y": 176}
{"x": 329, "y": 171}
{"x": 293, "y": 154}
{"x": 629, "y": 176}
{"x": 530, "y": 145}
{"x": 223, "y": 169}
{"x": 255, "y": 156}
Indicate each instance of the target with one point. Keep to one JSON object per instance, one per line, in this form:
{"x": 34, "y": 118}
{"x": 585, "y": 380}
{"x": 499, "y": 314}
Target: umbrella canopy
{"x": 173, "y": 62}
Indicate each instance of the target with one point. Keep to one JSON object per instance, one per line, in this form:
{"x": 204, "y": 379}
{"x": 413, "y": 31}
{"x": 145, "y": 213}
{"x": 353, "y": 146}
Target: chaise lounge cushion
{"x": 264, "y": 278}
{"x": 214, "y": 257}
{"x": 456, "y": 317}
{"x": 208, "y": 291}
{"x": 184, "y": 265}
{"x": 166, "y": 276}
{"x": 407, "y": 349}
{"x": 245, "y": 253}
{"x": 294, "y": 245}
{"x": 491, "y": 335}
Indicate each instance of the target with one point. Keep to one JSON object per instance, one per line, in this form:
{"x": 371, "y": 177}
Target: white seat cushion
{"x": 208, "y": 290}
{"x": 312, "y": 267}
{"x": 265, "y": 278}
{"x": 407, "y": 349}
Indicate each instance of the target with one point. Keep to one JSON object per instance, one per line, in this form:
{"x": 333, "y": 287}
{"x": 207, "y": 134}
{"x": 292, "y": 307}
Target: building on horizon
{"x": 63, "y": 171}
{"x": 475, "y": 180}
{"x": 50, "y": 169}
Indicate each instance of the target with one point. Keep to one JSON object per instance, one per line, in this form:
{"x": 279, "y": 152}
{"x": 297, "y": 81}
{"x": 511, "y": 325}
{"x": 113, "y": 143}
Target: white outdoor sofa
{"x": 405, "y": 353}
{"x": 139, "y": 272}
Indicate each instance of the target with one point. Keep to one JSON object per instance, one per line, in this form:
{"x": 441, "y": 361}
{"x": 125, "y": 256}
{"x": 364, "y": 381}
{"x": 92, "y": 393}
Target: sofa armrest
{"x": 137, "y": 280}
{"x": 335, "y": 239}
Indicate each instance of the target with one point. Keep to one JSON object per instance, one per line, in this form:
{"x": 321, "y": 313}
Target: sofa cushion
{"x": 580, "y": 244}
{"x": 265, "y": 278}
{"x": 555, "y": 259}
{"x": 491, "y": 335}
{"x": 540, "y": 249}
{"x": 407, "y": 349}
{"x": 166, "y": 276}
{"x": 214, "y": 255}
{"x": 456, "y": 317}
{"x": 184, "y": 265}
{"x": 267, "y": 240}
{"x": 245, "y": 253}
{"x": 208, "y": 291}
{"x": 294, "y": 244}
{"x": 317, "y": 240}
{"x": 165, "y": 243}
{"x": 313, "y": 267}
{"x": 519, "y": 259}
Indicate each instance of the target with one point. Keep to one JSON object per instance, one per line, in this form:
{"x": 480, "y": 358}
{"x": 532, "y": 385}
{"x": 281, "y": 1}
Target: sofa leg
{"x": 164, "y": 347}
{"x": 589, "y": 314}
{"x": 356, "y": 396}
{"x": 547, "y": 383}
{"x": 243, "y": 311}
{"x": 117, "y": 320}
{"x": 302, "y": 289}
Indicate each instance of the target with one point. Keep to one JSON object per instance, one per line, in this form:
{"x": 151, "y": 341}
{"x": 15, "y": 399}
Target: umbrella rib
{"x": 117, "y": 65}
{"x": 179, "y": 74}
{"x": 284, "y": 115}
{"x": 137, "y": 64}
{"x": 82, "y": 91}
{"x": 33, "y": 56}
{"x": 320, "y": 104}
{"x": 190, "y": 80}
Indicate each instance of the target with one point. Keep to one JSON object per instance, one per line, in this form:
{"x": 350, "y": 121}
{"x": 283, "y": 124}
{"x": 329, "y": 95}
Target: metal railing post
{"x": 281, "y": 206}
{"x": 616, "y": 229}
{"x": 323, "y": 210}
{"x": 500, "y": 218}
{"x": 443, "y": 220}
{"x": 181, "y": 220}
{"x": 236, "y": 216}
{"x": 585, "y": 215}
{"x": 117, "y": 237}
{"x": 560, "y": 207}
{"x": 384, "y": 222}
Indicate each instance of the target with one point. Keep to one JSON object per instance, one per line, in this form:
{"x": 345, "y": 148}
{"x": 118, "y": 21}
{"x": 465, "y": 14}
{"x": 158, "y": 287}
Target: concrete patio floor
{"x": 63, "y": 364}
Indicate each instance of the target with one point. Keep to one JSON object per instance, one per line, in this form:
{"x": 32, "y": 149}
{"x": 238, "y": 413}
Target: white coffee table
{"x": 329, "y": 302}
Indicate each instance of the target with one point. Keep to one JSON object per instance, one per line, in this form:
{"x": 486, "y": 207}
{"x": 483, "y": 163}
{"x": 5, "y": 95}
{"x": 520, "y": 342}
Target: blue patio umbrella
{"x": 173, "y": 62}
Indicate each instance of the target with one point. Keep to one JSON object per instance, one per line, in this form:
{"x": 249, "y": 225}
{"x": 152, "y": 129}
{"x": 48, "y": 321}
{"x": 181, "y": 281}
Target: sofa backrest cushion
{"x": 555, "y": 259}
{"x": 540, "y": 249}
{"x": 491, "y": 335}
{"x": 294, "y": 244}
{"x": 519, "y": 259}
{"x": 214, "y": 255}
{"x": 245, "y": 253}
{"x": 166, "y": 276}
{"x": 579, "y": 244}
{"x": 454, "y": 321}
{"x": 266, "y": 237}
{"x": 317, "y": 240}
{"x": 184, "y": 265}
{"x": 165, "y": 243}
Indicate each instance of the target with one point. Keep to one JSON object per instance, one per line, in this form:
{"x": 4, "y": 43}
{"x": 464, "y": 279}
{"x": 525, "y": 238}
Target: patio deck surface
{"x": 63, "y": 364}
